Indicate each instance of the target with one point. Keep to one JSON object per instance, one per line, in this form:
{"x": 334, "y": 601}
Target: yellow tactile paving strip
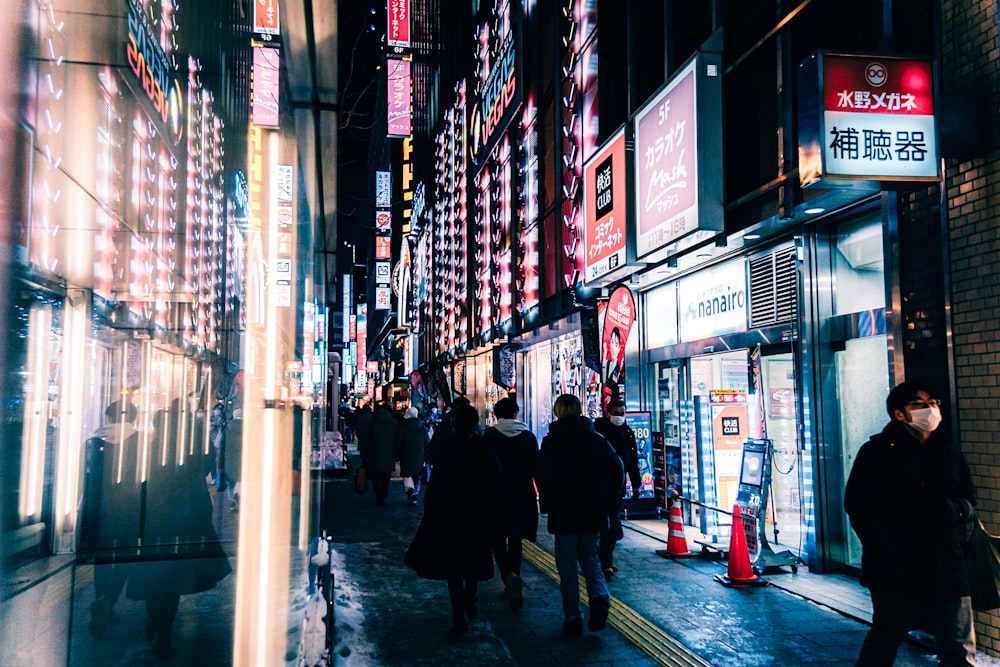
{"x": 636, "y": 628}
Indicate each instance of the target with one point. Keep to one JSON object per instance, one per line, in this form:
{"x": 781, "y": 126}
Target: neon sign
{"x": 151, "y": 67}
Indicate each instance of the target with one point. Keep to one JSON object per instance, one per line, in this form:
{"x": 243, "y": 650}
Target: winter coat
{"x": 180, "y": 553}
{"x": 112, "y": 501}
{"x": 517, "y": 450}
{"x": 233, "y": 451}
{"x": 455, "y": 535}
{"x": 412, "y": 447}
{"x": 622, "y": 438}
{"x": 579, "y": 477}
{"x": 363, "y": 425}
{"x": 378, "y": 449}
{"x": 910, "y": 503}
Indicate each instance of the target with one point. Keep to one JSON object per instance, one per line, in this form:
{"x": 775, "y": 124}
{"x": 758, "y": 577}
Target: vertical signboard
{"x": 675, "y": 195}
{"x": 383, "y": 189}
{"x": 618, "y": 317}
{"x": 874, "y": 119}
{"x": 398, "y": 23}
{"x": 604, "y": 207}
{"x": 266, "y": 65}
{"x": 266, "y": 17}
{"x": 398, "y": 97}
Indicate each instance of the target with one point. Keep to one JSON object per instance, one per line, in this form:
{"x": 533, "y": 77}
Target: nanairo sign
{"x": 866, "y": 117}
{"x": 713, "y": 302}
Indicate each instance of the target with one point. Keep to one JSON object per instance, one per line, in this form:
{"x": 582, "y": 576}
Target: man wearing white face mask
{"x": 622, "y": 438}
{"x": 910, "y": 499}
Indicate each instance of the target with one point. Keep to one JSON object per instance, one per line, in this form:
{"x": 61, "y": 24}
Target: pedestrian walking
{"x": 453, "y": 542}
{"x": 180, "y": 552}
{"x": 579, "y": 478}
{"x": 412, "y": 453}
{"x": 621, "y": 436}
{"x": 517, "y": 451}
{"x": 233, "y": 457}
{"x": 378, "y": 451}
{"x": 910, "y": 499}
{"x": 112, "y": 507}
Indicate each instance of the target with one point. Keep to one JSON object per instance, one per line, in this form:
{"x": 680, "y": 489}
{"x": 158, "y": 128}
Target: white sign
{"x": 383, "y": 189}
{"x": 284, "y": 184}
{"x": 383, "y": 298}
{"x": 383, "y": 273}
{"x": 713, "y": 302}
{"x": 283, "y": 270}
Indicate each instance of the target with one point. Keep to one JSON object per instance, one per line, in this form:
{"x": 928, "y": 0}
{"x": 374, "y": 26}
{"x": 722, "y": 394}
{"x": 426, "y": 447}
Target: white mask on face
{"x": 925, "y": 420}
{"x": 617, "y": 420}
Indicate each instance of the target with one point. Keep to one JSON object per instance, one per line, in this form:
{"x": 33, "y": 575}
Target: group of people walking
{"x": 576, "y": 475}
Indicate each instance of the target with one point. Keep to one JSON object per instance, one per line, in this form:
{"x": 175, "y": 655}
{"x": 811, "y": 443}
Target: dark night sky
{"x": 360, "y": 57}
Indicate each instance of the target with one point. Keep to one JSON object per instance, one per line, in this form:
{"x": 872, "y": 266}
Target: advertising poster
{"x": 618, "y": 317}
{"x": 642, "y": 425}
{"x": 605, "y": 204}
{"x": 730, "y": 427}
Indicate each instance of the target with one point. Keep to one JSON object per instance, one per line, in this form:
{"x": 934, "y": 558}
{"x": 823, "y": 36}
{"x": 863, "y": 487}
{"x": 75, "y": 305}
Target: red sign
{"x": 878, "y": 85}
{"x": 619, "y": 315}
{"x": 399, "y": 23}
{"x": 383, "y": 247}
{"x": 265, "y": 17}
{"x": 605, "y": 202}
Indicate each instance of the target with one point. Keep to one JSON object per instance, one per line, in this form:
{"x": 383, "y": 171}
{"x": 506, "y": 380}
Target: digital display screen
{"x": 752, "y": 473}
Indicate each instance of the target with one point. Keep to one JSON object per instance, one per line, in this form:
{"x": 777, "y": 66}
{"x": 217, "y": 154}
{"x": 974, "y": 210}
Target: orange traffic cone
{"x": 677, "y": 546}
{"x": 738, "y": 570}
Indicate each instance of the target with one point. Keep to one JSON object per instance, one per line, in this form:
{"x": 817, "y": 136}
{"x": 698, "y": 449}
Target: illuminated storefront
{"x": 161, "y": 327}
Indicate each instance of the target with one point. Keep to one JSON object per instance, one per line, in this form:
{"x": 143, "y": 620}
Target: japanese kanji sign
{"x": 605, "y": 205}
{"x": 876, "y": 122}
{"x": 678, "y": 138}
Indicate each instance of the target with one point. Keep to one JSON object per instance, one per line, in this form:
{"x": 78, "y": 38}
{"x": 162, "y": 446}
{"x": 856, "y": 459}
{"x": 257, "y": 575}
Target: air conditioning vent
{"x": 773, "y": 288}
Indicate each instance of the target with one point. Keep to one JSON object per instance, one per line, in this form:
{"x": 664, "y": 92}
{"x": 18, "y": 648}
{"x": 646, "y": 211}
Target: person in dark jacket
{"x": 454, "y": 539}
{"x": 622, "y": 438}
{"x": 412, "y": 453}
{"x": 579, "y": 479}
{"x": 517, "y": 450}
{"x": 111, "y": 509}
{"x": 910, "y": 499}
{"x": 180, "y": 552}
{"x": 363, "y": 424}
{"x": 378, "y": 451}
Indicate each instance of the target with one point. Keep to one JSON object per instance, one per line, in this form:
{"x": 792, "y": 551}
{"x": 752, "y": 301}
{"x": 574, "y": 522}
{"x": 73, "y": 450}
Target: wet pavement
{"x": 385, "y": 615}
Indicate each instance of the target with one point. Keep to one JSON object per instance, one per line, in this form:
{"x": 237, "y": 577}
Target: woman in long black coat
{"x": 454, "y": 540}
{"x": 181, "y": 552}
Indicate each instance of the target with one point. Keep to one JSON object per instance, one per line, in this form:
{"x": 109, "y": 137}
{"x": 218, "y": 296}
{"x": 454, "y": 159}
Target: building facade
{"x": 732, "y": 215}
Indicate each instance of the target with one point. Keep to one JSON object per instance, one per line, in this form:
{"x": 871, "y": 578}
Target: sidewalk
{"x": 388, "y": 616}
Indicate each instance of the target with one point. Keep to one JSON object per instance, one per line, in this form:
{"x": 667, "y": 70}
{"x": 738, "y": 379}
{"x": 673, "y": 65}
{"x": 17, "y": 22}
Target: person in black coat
{"x": 579, "y": 480}
{"x": 180, "y": 553}
{"x": 517, "y": 450}
{"x": 910, "y": 499}
{"x": 622, "y": 438}
{"x": 111, "y": 509}
{"x": 454, "y": 539}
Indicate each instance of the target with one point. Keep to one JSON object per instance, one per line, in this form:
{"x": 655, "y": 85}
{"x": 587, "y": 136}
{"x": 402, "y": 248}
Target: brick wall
{"x": 969, "y": 64}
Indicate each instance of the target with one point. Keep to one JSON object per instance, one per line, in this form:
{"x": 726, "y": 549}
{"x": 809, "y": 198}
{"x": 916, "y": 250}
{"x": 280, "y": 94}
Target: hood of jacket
{"x": 510, "y": 427}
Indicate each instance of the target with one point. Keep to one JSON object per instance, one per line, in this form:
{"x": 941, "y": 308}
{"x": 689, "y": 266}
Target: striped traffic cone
{"x": 677, "y": 546}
